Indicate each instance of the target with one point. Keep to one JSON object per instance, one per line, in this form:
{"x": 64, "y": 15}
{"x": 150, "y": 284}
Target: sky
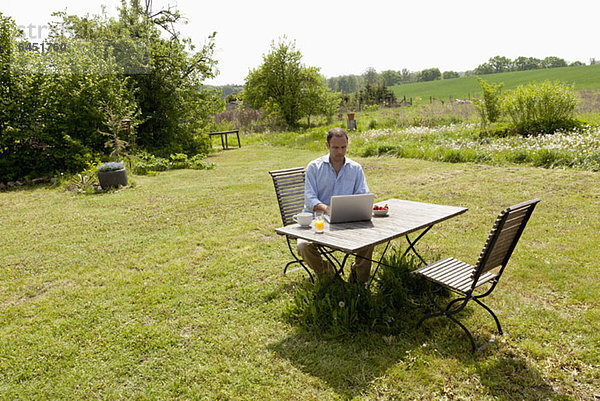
{"x": 347, "y": 37}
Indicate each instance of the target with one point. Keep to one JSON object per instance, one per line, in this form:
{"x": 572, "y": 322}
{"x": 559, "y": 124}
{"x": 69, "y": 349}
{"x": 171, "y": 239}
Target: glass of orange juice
{"x": 319, "y": 222}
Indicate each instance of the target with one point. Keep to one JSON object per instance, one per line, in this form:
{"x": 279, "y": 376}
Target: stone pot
{"x": 113, "y": 178}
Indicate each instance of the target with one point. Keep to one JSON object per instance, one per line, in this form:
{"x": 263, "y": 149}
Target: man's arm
{"x": 360, "y": 185}
{"x": 311, "y": 199}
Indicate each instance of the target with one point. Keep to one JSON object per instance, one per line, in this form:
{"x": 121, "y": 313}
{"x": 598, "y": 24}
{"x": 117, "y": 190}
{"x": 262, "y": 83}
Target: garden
{"x": 173, "y": 288}
{"x": 168, "y": 283}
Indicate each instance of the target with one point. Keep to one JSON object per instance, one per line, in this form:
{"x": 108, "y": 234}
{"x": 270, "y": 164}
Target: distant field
{"x": 584, "y": 77}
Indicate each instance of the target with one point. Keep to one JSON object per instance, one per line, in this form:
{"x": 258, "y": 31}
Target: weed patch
{"x": 336, "y": 308}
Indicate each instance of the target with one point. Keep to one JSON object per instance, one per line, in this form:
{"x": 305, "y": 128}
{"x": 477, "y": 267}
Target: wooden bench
{"x": 224, "y": 135}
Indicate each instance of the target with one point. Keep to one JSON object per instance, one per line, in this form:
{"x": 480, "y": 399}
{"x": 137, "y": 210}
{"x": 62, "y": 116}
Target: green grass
{"x": 583, "y": 77}
{"x": 173, "y": 289}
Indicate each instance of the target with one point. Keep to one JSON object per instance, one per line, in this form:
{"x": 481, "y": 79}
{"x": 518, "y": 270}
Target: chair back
{"x": 289, "y": 187}
{"x": 503, "y": 238}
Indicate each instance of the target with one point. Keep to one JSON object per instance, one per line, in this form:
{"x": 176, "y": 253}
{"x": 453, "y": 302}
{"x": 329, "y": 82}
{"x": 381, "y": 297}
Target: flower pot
{"x": 114, "y": 178}
{"x": 350, "y": 116}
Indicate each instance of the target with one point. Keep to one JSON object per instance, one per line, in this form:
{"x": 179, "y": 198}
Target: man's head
{"x": 337, "y": 143}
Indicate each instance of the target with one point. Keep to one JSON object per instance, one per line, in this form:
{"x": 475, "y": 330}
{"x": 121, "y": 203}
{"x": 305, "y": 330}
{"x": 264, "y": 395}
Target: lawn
{"x": 173, "y": 289}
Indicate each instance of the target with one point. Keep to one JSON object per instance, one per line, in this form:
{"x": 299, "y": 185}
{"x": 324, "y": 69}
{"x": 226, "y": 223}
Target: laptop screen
{"x": 347, "y": 208}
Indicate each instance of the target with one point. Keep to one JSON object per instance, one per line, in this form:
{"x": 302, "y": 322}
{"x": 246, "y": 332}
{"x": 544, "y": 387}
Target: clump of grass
{"x": 392, "y": 305}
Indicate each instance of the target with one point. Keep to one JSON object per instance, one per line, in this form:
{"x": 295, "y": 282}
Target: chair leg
{"x": 448, "y": 313}
{"x": 491, "y": 313}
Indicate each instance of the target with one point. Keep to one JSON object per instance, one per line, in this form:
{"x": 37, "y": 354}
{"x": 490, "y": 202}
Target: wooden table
{"x": 224, "y": 135}
{"x": 405, "y": 217}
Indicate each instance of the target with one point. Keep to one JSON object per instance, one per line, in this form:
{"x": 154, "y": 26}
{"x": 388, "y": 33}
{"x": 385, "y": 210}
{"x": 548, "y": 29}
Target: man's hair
{"x": 336, "y": 132}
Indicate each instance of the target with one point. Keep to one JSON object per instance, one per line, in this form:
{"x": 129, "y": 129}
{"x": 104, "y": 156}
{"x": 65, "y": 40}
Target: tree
{"x": 526, "y": 63}
{"x": 500, "y": 64}
{"x": 375, "y": 94}
{"x": 450, "y": 74}
{"x": 370, "y": 76}
{"x": 553, "y": 62}
{"x": 317, "y": 99}
{"x": 165, "y": 73}
{"x": 283, "y": 86}
{"x": 390, "y": 77}
{"x": 430, "y": 74}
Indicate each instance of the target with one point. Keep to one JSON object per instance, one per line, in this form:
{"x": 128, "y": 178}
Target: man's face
{"x": 337, "y": 148}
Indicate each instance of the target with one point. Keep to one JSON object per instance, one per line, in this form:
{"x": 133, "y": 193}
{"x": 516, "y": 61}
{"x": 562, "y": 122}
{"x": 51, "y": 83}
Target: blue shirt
{"x": 321, "y": 182}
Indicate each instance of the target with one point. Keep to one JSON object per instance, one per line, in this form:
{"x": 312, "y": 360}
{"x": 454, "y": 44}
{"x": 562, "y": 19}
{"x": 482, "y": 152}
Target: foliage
{"x": 541, "y": 108}
{"x": 333, "y": 307}
{"x": 166, "y": 78}
{"x": 56, "y": 104}
{"x": 375, "y": 95}
{"x": 489, "y": 106}
{"x": 86, "y": 181}
{"x": 450, "y": 75}
{"x": 430, "y": 74}
{"x": 450, "y": 133}
{"x": 285, "y": 88}
{"x": 146, "y": 163}
{"x": 113, "y": 119}
{"x": 500, "y": 64}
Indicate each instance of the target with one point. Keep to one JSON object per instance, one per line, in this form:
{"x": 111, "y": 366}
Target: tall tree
{"x": 283, "y": 86}
{"x": 370, "y": 76}
{"x": 164, "y": 71}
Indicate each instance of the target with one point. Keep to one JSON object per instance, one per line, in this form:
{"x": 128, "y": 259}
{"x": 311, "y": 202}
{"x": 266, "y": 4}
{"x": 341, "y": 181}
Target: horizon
{"x": 345, "y": 38}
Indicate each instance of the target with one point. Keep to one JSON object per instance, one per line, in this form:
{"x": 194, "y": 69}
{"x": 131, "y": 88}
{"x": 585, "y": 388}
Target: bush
{"x": 489, "y": 106}
{"x": 541, "y": 108}
{"x": 146, "y": 163}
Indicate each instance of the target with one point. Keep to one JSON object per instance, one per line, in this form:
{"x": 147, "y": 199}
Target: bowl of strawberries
{"x": 380, "y": 211}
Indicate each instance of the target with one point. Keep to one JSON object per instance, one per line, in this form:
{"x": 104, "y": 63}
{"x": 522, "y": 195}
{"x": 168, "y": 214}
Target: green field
{"x": 173, "y": 289}
{"x": 584, "y": 77}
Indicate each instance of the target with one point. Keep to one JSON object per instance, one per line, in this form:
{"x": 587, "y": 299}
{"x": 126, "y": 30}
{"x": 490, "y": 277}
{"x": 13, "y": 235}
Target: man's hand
{"x": 321, "y": 207}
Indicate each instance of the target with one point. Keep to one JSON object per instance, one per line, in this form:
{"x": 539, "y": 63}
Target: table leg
{"x": 222, "y": 142}
{"x": 226, "y": 141}
{"x": 411, "y": 245}
{"x": 378, "y": 264}
{"x": 238, "y": 138}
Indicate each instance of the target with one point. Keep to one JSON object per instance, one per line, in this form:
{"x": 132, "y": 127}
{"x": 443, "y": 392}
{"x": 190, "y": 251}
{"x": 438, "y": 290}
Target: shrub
{"x": 489, "y": 106}
{"x": 85, "y": 182}
{"x": 541, "y": 108}
{"x": 146, "y": 163}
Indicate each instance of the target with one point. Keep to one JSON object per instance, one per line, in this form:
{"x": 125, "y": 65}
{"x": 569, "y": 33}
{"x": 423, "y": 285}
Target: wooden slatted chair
{"x": 464, "y": 278}
{"x": 289, "y": 187}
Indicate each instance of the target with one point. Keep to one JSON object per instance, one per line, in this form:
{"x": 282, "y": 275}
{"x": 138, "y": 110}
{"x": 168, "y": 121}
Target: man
{"x": 334, "y": 174}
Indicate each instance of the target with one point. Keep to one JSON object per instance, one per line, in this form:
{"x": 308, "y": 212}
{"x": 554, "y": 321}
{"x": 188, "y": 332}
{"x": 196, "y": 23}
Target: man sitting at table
{"x": 334, "y": 174}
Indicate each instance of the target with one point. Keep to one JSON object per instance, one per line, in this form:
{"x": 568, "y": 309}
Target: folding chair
{"x": 289, "y": 187}
{"x": 463, "y": 278}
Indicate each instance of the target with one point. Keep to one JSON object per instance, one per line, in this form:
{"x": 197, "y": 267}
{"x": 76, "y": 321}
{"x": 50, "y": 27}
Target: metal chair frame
{"x": 463, "y": 278}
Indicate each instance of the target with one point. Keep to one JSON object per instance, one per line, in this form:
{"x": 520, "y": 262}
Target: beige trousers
{"x": 361, "y": 268}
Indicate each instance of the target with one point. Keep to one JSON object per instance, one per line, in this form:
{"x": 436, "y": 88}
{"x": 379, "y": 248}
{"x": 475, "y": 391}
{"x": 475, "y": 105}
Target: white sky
{"x": 347, "y": 37}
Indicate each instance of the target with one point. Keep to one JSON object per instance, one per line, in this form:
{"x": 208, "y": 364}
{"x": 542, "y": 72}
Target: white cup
{"x": 303, "y": 219}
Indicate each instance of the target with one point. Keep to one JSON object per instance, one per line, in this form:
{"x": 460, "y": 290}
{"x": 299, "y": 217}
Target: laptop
{"x": 347, "y": 208}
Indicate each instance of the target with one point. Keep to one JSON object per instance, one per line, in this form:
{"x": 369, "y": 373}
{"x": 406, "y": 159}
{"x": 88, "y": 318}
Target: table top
{"x": 403, "y": 218}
